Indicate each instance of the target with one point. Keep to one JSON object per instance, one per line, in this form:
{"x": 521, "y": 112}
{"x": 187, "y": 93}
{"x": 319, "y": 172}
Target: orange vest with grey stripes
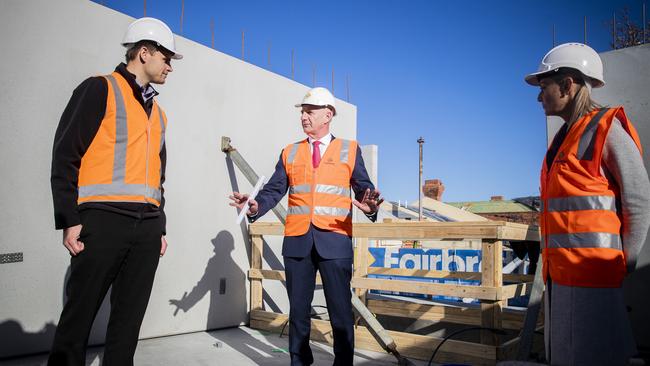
{"x": 123, "y": 163}
{"x": 319, "y": 196}
{"x": 580, "y": 226}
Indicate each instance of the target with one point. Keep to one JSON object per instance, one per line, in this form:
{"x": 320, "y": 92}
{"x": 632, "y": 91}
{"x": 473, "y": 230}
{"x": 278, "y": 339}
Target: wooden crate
{"x": 492, "y": 292}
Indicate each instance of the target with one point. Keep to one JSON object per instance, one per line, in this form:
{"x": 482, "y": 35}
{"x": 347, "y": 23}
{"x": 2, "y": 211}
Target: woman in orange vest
{"x": 596, "y": 212}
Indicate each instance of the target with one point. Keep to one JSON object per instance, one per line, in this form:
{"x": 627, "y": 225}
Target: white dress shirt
{"x": 324, "y": 143}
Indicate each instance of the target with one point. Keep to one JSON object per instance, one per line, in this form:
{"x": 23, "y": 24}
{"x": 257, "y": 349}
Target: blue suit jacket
{"x": 328, "y": 244}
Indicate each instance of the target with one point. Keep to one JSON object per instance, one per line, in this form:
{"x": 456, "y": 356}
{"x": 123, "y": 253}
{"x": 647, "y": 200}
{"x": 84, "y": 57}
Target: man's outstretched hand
{"x": 370, "y": 202}
{"x": 239, "y": 199}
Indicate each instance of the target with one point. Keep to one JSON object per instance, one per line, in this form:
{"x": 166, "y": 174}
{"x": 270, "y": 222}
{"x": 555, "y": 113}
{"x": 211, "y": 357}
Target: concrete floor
{"x": 233, "y": 346}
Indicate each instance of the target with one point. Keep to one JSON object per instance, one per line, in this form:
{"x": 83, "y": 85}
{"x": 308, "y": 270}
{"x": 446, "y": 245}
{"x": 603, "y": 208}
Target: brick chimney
{"x": 496, "y": 198}
{"x": 433, "y": 188}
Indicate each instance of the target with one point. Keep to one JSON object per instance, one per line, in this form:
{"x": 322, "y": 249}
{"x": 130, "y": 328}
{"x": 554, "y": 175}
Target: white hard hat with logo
{"x": 576, "y": 56}
{"x": 319, "y": 97}
{"x": 151, "y": 29}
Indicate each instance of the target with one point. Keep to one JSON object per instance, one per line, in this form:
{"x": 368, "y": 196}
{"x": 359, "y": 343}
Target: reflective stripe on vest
{"x": 162, "y": 128}
{"x": 118, "y": 190}
{"x": 585, "y": 240}
{"x": 588, "y": 138}
{"x": 578, "y": 203}
{"x": 345, "y": 151}
{"x": 331, "y": 211}
{"x": 320, "y": 188}
{"x": 292, "y": 153}
{"x": 330, "y": 189}
{"x": 298, "y": 210}
{"x": 303, "y": 188}
{"x": 121, "y": 134}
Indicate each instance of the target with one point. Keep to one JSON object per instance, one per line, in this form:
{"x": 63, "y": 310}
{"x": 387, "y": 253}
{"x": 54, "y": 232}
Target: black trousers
{"x": 301, "y": 279}
{"x": 122, "y": 252}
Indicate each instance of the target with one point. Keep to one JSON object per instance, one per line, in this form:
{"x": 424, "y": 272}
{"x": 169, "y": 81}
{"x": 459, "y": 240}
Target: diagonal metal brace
{"x": 248, "y": 172}
{"x": 530, "y": 321}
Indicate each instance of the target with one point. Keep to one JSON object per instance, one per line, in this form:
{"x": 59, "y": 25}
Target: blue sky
{"x": 449, "y": 71}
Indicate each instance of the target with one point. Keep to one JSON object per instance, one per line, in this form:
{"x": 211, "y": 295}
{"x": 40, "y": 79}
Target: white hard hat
{"x": 319, "y": 97}
{"x": 151, "y": 29}
{"x": 572, "y": 55}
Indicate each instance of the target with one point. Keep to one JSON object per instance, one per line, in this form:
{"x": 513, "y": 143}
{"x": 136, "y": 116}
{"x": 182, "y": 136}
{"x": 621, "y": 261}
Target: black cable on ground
{"x": 312, "y": 316}
{"x": 497, "y": 331}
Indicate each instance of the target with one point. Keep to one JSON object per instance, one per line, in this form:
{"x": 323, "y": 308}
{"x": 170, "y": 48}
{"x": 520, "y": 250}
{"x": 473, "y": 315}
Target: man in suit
{"x": 319, "y": 173}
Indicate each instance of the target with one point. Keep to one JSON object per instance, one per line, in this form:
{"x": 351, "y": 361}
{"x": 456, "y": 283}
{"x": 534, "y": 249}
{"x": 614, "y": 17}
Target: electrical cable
{"x": 311, "y": 316}
{"x": 496, "y": 331}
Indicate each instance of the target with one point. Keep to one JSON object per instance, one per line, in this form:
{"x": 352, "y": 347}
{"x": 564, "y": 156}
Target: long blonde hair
{"x": 582, "y": 103}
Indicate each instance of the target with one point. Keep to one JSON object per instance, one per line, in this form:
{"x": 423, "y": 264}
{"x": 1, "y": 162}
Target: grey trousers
{"x": 586, "y": 326}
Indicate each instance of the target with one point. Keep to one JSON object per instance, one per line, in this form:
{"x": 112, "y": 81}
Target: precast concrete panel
{"x": 627, "y": 78}
{"x": 52, "y": 46}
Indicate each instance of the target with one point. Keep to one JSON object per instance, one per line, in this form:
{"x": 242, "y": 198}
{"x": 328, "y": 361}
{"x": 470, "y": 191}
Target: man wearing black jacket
{"x": 108, "y": 167}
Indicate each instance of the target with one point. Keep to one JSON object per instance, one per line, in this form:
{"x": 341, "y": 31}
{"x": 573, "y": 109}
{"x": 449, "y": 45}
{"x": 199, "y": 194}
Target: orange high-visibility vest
{"x": 581, "y": 230}
{"x": 320, "y": 196}
{"x": 123, "y": 163}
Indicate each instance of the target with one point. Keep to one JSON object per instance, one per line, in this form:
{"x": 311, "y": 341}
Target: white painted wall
{"x": 627, "y": 77}
{"x": 49, "y": 47}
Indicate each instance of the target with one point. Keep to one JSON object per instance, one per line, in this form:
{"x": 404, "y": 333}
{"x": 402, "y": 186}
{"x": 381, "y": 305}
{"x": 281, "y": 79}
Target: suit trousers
{"x": 119, "y": 251}
{"x": 301, "y": 278}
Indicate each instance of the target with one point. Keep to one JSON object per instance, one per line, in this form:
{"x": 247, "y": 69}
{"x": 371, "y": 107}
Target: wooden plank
{"x": 507, "y": 277}
{"x": 477, "y": 292}
{"x": 424, "y": 273}
{"x": 266, "y": 228}
{"x": 492, "y": 270}
{"x": 274, "y": 275}
{"x": 515, "y": 290}
{"x": 496, "y": 230}
{"x": 256, "y": 300}
{"x": 508, "y": 350}
{"x": 511, "y": 319}
{"x": 516, "y": 277}
{"x": 509, "y": 232}
{"x": 361, "y": 266}
{"x": 424, "y": 230}
{"x": 409, "y": 345}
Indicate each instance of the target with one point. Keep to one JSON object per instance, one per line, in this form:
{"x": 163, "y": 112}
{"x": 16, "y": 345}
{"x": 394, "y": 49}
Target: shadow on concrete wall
{"x": 16, "y": 342}
{"x": 268, "y": 254}
{"x": 223, "y": 280}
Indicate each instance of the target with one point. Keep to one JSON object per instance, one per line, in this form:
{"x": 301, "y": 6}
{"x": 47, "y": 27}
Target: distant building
{"x": 524, "y": 210}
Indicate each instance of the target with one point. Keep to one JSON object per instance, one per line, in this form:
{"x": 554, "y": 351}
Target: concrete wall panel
{"x": 53, "y": 46}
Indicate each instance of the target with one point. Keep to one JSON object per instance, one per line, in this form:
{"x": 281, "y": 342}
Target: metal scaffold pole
{"x": 420, "y": 142}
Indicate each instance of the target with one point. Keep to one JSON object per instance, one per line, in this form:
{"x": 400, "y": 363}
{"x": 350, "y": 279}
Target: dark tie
{"x": 315, "y": 155}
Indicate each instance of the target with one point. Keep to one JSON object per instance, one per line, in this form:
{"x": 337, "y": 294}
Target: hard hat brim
{"x": 175, "y": 56}
{"x": 316, "y": 105}
{"x": 533, "y": 79}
